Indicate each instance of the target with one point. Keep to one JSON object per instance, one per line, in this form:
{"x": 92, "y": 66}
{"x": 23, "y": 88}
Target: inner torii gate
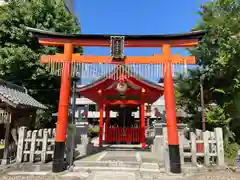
{"x": 166, "y": 42}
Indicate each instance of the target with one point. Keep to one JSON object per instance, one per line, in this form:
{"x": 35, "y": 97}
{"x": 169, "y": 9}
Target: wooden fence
{"x": 36, "y": 145}
{"x": 201, "y": 145}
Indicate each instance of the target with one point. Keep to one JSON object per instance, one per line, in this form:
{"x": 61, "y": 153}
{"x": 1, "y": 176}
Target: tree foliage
{"x": 218, "y": 58}
{"x": 20, "y": 52}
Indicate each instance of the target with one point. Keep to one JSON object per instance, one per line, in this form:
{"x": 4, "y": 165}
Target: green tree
{"x": 20, "y": 52}
{"x": 218, "y": 57}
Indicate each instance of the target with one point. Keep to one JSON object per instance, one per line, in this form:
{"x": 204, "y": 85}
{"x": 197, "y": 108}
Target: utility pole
{"x": 202, "y": 103}
{"x": 72, "y": 144}
{"x": 77, "y": 77}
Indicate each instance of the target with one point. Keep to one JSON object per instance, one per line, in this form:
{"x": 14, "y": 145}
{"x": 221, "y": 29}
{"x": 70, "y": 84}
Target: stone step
{"x": 102, "y": 166}
{"x": 106, "y": 164}
{"x": 142, "y": 169}
{"x": 89, "y": 169}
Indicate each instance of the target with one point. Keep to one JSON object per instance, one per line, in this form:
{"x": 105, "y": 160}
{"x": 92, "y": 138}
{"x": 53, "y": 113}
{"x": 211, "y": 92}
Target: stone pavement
{"x": 114, "y": 163}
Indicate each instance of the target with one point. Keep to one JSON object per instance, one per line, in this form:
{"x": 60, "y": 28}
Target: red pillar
{"x": 107, "y": 123}
{"x": 101, "y": 124}
{"x": 142, "y": 121}
{"x": 173, "y": 142}
{"x": 61, "y": 127}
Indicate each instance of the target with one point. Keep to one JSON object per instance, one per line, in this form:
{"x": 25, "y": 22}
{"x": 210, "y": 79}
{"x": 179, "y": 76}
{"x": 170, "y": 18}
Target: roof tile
{"x": 18, "y": 95}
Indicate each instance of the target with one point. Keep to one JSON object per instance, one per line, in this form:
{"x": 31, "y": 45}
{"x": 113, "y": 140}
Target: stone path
{"x": 124, "y": 156}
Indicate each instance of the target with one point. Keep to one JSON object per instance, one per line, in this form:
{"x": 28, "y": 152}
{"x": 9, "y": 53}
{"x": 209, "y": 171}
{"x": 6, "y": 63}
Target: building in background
{"x": 70, "y": 6}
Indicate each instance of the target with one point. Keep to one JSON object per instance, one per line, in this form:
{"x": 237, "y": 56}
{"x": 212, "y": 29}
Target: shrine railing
{"x": 126, "y": 135}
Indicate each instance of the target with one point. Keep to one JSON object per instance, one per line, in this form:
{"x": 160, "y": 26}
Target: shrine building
{"x": 125, "y": 105}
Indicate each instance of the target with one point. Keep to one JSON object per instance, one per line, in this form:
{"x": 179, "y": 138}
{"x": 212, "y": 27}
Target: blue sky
{"x": 136, "y": 17}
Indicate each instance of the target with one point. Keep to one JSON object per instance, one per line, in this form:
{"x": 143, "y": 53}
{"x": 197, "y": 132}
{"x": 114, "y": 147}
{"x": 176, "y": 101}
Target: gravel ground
{"x": 213, "y": 176}
{"x": 217, "y": 176}
{"x": 205, "y": 176}
{"x": 5, "y": 177}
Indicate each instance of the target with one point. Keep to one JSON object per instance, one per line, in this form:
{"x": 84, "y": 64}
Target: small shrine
{"x": 124, "y": 92}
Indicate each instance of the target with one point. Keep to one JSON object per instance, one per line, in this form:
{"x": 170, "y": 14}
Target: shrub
{"x": 231, "y": 150}
{"x": 93, "y": 132}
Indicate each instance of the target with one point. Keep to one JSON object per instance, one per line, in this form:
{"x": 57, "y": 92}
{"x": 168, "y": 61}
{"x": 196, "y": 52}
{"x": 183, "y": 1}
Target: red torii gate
{"x": 166, "y": 42}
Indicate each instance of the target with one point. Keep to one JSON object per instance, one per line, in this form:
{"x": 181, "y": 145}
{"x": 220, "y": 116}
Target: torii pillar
{"x": 59, "y": 164}
{"x": 172, "y": 131}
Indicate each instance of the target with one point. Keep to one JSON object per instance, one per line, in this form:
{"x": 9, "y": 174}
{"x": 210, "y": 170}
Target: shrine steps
{"x": 106, "y": 164}
{"x": 118, "y": 166}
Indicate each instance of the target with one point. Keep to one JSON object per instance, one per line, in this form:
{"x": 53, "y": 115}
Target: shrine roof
{"x": 17, "y": 96}
{"x": 48, "y": 34}
{"x": 127, "y": 71}
{"x": 108, "y": 85}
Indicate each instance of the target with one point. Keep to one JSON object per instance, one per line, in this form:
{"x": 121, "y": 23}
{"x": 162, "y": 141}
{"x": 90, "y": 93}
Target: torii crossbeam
{"x": 166, "y": 42}
{"x": 155, "y": 59}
